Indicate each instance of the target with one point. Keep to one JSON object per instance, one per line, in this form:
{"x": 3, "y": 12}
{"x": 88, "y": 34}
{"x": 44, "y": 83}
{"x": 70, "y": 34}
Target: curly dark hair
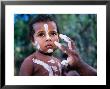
{"x": 41, "y": 18}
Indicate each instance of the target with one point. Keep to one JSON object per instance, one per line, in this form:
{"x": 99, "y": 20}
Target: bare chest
{"x": 46, "y": 67}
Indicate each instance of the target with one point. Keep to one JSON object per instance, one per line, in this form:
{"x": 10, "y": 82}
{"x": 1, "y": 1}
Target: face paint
{"x": 46, "y": 30}
{"x": 49, "y": 50}
{"x": 37, "y": 45}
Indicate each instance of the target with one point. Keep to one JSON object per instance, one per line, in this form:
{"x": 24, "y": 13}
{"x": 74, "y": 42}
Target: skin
{"x": 46, "y": 34}
{"x": 42, "y": 37}
{"x": 74, "y": 59}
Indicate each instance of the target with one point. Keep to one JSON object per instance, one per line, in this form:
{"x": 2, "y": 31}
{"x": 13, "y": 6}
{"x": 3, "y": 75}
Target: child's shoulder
{"x": 27, "y": 65}
{"x": 30, "y": 57}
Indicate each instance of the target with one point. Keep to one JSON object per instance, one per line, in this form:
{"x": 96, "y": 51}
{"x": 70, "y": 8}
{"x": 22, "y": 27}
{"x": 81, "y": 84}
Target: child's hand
{"x": 73, "y": 57}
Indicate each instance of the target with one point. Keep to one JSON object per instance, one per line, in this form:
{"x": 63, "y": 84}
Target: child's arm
{"x": 84, "y": 69}
{"x": 74, "y": 59}
{"x": 26, "y": 68}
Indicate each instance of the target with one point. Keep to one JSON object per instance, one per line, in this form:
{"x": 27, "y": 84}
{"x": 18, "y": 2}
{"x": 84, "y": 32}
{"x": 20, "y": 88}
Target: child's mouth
{"x": 49, "y": 46}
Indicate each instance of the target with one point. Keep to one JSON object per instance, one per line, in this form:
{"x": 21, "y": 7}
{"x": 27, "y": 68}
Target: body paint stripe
{"x": 45, "y": 65}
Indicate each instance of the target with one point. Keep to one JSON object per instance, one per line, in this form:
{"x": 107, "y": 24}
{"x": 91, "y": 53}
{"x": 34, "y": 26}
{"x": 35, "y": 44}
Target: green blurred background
{"x": 82, "y": 28}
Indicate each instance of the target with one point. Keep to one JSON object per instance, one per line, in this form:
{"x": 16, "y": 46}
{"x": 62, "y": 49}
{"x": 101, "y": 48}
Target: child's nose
{"x": 48, "y": 38}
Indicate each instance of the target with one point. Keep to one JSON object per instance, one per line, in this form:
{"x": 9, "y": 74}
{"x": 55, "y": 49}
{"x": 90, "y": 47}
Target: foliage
{"x": 82, "y": 28}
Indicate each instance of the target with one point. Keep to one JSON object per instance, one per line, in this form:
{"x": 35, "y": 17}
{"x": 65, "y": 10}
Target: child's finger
{"x": 62, "y": 48}
{"x": 71, "y": 44}
{"x": 65, "y": 38}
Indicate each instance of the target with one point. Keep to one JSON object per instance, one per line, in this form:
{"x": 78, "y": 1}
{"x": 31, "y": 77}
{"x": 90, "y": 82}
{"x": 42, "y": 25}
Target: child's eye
{"x": 53, "y": 33}
{"x": 41, "y": 35}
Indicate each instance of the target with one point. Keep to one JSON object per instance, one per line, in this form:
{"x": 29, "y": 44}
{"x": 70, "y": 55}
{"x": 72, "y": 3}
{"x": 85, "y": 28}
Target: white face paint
{"x": 49, "y": 50}
{"x": 46, "y": 31}
{"x": 47, "y": 37}
{"x": 37, "y": 45}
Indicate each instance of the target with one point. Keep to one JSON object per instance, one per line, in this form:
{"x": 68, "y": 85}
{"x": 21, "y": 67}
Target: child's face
{"x": 45, "y": 36}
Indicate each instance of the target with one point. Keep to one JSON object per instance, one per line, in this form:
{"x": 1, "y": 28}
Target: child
{"x": 45, "y": 37}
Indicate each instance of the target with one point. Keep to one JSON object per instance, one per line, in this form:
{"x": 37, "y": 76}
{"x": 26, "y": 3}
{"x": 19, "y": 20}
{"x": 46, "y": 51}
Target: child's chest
{"x": 47, "y": 67}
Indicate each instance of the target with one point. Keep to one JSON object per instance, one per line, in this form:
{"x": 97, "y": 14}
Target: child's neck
{"x": 48, "y": 54}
